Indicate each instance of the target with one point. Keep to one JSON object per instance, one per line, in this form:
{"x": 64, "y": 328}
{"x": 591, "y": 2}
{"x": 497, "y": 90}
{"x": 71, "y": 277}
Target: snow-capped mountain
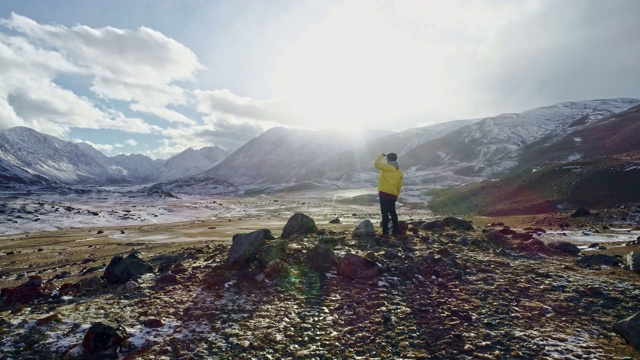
{"x": 32, "y": 158}
{"x": 191, "y": 162}
{"x": 286, "y": 156}
{"x": 139, "y": 168}
{"x": 494, "y": 145}
{"x": 55, "y": 159}
{"x": 354, "y": 165}
{"x": 440, "y": 155}
{"x": 612, "y": 135}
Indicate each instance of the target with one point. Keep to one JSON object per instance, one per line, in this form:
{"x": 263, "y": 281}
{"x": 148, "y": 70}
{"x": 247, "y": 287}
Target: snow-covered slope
{"x": 139, "y": 168}
{"x": 55, "y": 159}
{"x": 493, "y": 144}
{"x": 280, "y": 156}
{"x": 353, "y": 167}
{"x": 191, "y": 162}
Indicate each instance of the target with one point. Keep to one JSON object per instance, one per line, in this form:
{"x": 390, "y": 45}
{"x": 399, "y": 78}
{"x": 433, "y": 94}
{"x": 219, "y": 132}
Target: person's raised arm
{"x": 378, "y": 163}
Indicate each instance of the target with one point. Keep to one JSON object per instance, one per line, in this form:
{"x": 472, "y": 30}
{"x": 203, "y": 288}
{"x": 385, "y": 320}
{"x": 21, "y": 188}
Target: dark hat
{"x": 392, "y": 156}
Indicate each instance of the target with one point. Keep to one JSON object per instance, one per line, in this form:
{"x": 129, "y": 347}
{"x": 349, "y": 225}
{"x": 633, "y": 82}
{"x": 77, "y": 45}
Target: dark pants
{"x": 388, "y": 208}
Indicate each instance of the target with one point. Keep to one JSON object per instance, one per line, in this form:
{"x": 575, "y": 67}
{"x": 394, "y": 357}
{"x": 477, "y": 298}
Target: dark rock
{"x": 91, "y": 270}
{"x": 457, "y": 224}
{"x": 507, "y": 231}
{"x": 403, "y": 226}
{"x": 581, "y": 212}
{"x": 364, "y": 230}
{"x": 167, "y": 279}
{"x": 152, "y": 323}
{"x": 245, "y": 248}
{"x": 62, "y": 275}
{"x": 26, "y": 293}
{"x": 433, "y": 225}
{"x": 564, "y": 247}
{"x": 356, "y": 267}
{"x": 299, "y": 224}
{"x": 629, "y": 329}
{"x": 102, "y": 338}
{"x": 179, "y": 268}
{"x": 271, "y": 252}
{"x": 533, "y": 246}
{"x": 597, "y": 260}
{"x": 320, "y": 258}
{"x": 496, "y": 238}
{"x": 275, "y": 268}
{"x": 335, "y": 221}
{"x": 120, "y": 270}
{"x": 633, "y": 261}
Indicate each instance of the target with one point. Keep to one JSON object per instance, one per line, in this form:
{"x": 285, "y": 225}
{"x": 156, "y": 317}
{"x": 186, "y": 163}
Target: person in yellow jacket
{"x": 389, "y": 185}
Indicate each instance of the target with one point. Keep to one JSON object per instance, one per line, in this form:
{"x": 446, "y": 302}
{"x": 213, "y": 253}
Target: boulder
{"x": 320, "y": 258}
{"x": 335, "y": 221}
{"x": 629, "y": 329}
{"x": 597, "y": 260}
{"x": 356, "y": 267}
{"x": 364, "y": 229}
{"x": 275, "y": 268}
{"x": 245, "y": 248}
{"x": 28, "y": 292}
{"x": 167, "y": 279}
{"x": 533, "y": 246}
{"x": 403, "y": 227}
{"x": 299, "y": 224}
{"x": 455, "y": 223}
{"x": 433, "y": 225}
{"x": 633, "y": 261}
{"x": 564, "y": 247}
{"x": 581, "y": 212}
{"x": 120, "y": 270}
{"x": 271, "y": 252}
{"x": 497, "y": 238}
{"x": 102, "y": 338}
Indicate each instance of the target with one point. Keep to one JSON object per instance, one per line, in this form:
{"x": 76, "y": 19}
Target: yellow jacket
{"x": 390, "y": 178}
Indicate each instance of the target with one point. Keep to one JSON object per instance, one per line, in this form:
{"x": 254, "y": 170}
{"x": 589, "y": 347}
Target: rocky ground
{"x": 444, "y": 290}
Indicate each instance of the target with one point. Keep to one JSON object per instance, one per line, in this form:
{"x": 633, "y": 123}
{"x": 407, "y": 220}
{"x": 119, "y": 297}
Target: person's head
{"x": 392, "y": 156}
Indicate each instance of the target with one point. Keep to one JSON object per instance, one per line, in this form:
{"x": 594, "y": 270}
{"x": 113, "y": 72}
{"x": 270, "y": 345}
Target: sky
{"x": 158, "y": 76}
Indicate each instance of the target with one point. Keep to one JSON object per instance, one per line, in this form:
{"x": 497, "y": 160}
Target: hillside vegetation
{"x": 595, "y": 183}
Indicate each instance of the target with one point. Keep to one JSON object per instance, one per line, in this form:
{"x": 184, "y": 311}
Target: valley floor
{"x": 440, "y": 295}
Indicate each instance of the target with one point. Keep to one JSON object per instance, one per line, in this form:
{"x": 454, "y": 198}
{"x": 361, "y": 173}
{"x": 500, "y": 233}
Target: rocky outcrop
{"x": 581, "y": 212}
{"x": 629, "y": 329}
{"x": 364, "y": 230}
{"x": 564, "y": 247}
{"x": 120, "y": 270}
{"x": 598, "y": 260}
{"x": 356, "y": 267}
{"x": 299, "y": 224}
{"x": 26, "y": 293}
{"x": 320, "y": 258}
{"x": 102, "y": 338}
{"x": 455, "y": 223}
{"x": 451, "y": 223}
{"x": 245, "y": 248}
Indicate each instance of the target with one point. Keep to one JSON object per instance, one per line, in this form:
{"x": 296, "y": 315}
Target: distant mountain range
{"x": 31, "y": 158}
{"x": 435, "y": 156}
{"x": 451, "y": 153}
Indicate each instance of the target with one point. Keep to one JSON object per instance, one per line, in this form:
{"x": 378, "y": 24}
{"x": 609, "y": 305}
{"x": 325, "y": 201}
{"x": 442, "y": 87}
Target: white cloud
{"x": 139, "y": 67}
{"x": 225, "y": 102}
{"x": 221, "y": 130}
{"x": 131, "y": 142}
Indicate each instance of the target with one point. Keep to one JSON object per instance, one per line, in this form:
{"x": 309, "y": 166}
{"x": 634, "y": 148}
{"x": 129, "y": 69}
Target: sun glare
{"x": 357, "y": 69}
